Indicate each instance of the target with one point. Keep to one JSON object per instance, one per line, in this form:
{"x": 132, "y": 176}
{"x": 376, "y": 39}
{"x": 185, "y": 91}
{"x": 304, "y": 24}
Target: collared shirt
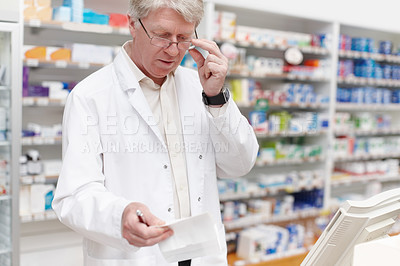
{"x": 163, "y": 102}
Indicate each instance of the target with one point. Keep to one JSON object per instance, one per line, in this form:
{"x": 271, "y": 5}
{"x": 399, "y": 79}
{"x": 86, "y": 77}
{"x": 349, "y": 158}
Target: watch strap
{"x": 220, "y": 98}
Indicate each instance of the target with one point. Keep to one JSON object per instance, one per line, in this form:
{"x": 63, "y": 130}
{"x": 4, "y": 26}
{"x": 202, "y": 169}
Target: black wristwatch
{"x": 219, "y": 99}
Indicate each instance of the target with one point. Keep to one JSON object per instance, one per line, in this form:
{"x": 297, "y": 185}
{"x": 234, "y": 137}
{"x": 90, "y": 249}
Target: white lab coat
{"x": 113, "y": 154}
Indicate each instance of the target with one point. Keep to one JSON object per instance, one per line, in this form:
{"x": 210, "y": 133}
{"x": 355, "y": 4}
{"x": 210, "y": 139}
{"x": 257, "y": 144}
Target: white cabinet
{"x": 10, "y": 89}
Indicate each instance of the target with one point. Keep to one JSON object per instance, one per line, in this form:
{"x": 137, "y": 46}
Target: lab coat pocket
{"x": 142, "y": 261}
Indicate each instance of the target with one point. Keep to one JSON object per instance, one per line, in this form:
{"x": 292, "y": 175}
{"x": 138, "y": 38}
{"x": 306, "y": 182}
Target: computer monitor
{"x": 355, "y": 222}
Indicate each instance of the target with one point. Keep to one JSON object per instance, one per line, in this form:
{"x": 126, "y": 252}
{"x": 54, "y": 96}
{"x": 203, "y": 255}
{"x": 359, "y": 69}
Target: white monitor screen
{"x": 355, "y": 222}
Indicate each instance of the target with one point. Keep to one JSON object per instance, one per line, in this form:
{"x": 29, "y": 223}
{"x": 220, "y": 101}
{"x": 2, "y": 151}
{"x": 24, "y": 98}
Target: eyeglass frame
{"x": 191, "y": 46}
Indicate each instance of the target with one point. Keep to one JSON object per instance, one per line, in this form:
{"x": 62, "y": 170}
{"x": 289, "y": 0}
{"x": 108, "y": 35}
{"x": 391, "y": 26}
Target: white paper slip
{"x": 193, "y": 237}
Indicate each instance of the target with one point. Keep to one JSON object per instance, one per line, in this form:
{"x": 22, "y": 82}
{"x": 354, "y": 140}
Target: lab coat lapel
{"x": 138, "y": 101}
{"x": 194, "y": 133}
{"x": 136, "y": 98}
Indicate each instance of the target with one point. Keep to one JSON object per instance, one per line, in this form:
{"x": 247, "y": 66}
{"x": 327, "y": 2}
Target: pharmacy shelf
{"x": 4, "y": 143}
{"x": 77, "y": 27}
{"x": 280, "y": 76}
{"x": 283, "y": 255}
{"x": 269, "y": 46}
{"x": 4, "y": 197}
{"x": 291, "y": 134}
{"x": 5, "y": 251}
{"x": 283, "y": 162}
{"x": 366, "y": 157}
{"x": 315, "y": 106}
{"x": 372, "y": 132}
{"x": 271, "y": 192}
{"x": 346, "y": 179}
{"x": 37, "y": 179}
{"x": 42, "y": 102}
{"x": 286, "y": 105}
{"x": 37, "y": 32}
{"x": 61, "y": 64}
{"x": 256, "y": 219}
{"x": 46, "y": 216}
{"x": 367, "y": 107}
{"x": 32, "y": 141}
{"x": 358, "y": 81}
{"x": 364, "y": 55}
{"x": 293, "y": 257}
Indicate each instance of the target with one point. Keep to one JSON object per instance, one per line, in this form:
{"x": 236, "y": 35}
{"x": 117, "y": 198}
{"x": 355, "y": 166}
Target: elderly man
{"x": 144, "y": 140}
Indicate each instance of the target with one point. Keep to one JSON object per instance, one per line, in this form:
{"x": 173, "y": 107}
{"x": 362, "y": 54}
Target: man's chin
{"x": 165, "y": 71}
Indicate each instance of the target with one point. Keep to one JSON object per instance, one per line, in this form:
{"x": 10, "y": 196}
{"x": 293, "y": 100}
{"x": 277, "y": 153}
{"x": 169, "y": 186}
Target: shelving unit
{"x": 59, "y": 34}
{"x": 278, "y": 77}
{"x": 349, "y": 183}
{"x": 76, "y": 27}
{"x": 10, "y": 89}
{"x": 325, "y": 85}
{"x": 363, "y": 107}
{"x": 357, "y": 179}
{"x": 366, "y": 157}
{"x": 264, "y": 219}
{"x": 61, "y": 64}
{"x": 275, "y": 47}
{"x": 32, "y": 141}
{"x": 285, "y": 260}
{"x": 37, "y": 33}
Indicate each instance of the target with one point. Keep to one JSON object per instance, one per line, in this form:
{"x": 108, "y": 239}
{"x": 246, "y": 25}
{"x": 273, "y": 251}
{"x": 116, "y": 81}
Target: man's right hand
{"x": 138, "y": 233}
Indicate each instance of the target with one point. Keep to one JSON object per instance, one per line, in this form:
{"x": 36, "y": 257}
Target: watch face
{"x": 293, "y": 56}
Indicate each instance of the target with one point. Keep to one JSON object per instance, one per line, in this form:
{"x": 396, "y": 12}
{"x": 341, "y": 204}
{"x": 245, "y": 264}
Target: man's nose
{"x": 172, "y": 49}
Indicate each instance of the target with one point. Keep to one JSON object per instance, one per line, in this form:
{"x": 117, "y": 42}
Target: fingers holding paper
{"x": 140, "y": 230}
{"x": 213, "y": 69}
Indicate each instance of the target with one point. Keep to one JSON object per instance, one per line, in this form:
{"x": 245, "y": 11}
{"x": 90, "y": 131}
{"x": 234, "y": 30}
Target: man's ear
{"x": 132, "y": 26}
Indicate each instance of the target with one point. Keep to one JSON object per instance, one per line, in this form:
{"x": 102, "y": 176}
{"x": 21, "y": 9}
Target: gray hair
{"x": 191, "y": 10}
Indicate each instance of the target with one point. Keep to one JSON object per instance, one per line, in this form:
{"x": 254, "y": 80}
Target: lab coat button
{"x": 201, "y": 157}
{"x": 169, "y": 209}
{"x": 199, "y": 199}
{"x": 165, "y": 166}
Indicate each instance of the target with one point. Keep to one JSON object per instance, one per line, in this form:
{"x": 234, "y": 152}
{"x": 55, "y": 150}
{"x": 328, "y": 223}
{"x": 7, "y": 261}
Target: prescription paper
{"x": 193, "y": 237}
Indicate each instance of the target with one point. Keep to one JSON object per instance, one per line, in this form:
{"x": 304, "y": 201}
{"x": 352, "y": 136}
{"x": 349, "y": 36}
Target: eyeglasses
{"x": 165, "y": 43}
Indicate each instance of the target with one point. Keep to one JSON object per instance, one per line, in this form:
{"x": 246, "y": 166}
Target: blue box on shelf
{"x": 89, "y": 16}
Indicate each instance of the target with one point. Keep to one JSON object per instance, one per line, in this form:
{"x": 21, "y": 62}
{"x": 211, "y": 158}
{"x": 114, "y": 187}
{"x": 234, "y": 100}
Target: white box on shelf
{"x": 89, "y": 53}
{"x": 51, "y": 167}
